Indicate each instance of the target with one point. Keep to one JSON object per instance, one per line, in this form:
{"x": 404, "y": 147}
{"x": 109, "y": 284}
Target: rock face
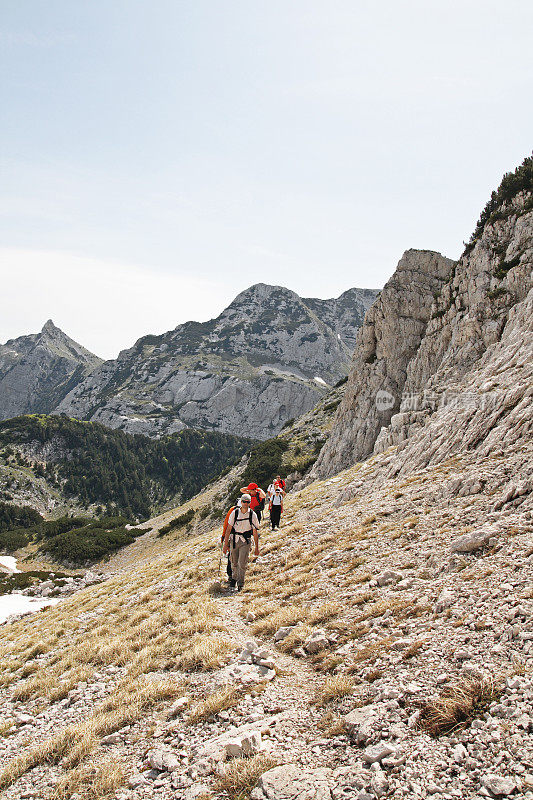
{"x": 386, "y": 343}
{"x": 460, "y": 375}
{"x": 38, "y": 370}
{"x": 267, "y": 358}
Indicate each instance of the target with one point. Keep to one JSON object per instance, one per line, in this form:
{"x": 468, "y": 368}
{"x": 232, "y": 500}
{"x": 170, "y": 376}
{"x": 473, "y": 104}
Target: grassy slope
{"x": 315, "y": 572}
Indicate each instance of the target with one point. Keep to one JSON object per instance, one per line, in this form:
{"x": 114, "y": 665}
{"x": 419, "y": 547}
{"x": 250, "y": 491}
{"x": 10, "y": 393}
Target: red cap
{"x": 252, "y": 486}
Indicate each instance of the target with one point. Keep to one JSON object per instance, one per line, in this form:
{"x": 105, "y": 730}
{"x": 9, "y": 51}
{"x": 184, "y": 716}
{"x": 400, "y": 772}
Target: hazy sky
{"x": 159, "y": 156}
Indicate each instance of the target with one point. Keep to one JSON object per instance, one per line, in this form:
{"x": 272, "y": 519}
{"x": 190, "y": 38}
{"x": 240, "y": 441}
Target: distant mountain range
{"x": 268, "y": 357}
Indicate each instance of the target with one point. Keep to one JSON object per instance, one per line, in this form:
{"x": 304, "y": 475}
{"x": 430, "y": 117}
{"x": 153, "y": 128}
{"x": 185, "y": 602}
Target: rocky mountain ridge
{"x": 268, "y": 357}
{"x": 38, "y": 370}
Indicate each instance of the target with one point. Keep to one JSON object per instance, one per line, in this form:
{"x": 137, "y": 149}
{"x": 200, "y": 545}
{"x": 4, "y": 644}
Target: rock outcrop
{"x": 386, "y": 343}
{"x": 458, "y": 377}
{"x": 38, "y": 370}
{"x": 268, "y": 357}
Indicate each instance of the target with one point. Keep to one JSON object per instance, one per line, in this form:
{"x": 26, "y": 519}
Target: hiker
{"x": 226, "y": 526}
{"x": 242, "y": 525}
{"x": 258, "y": 496}
{"x": 276, "y": 507}
{"x": 279, "y": 480}
{"x": 272, "y": 488}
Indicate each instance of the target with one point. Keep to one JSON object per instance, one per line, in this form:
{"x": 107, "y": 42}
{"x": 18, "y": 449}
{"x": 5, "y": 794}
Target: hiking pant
{"x": 275, "y": 516}
{"x": 239, "y": 559}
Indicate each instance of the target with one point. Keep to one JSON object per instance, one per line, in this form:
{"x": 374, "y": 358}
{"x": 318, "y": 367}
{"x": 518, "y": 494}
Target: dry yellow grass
{"x": 6, "y": 727}
{"x": 324, "y": 612}
{"x": 371, "y": 652}
{"x": 73, "y": 744}
{"x": 241, "y": 775}
{"x": 457, "y": 706}
{"x": 223, "y": 698}
{"x": 331, "y": 725}
{"x": 49, "y": 752}
{"x": 295, "y": 639}
{"x": 91, "y": 782}
{"x": 413, "y": 650}
{"x": 289, "y": 615}
{"x": 335, "y": 687}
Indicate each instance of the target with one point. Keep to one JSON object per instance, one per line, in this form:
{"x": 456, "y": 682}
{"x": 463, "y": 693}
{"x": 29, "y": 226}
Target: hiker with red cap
{"x": 257, "y": 502}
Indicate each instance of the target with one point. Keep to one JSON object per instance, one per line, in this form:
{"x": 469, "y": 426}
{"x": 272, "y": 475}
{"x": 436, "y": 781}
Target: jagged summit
{"x": 37, "y": 370}
{"x": 49, "y": 327}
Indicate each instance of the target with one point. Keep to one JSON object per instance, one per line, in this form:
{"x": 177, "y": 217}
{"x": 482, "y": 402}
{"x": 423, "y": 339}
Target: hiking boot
{"x": 231, "y": 583}
{"x": 239, "y": 586}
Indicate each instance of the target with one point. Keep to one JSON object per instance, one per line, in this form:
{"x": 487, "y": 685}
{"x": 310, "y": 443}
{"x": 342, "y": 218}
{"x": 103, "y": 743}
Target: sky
{"x": 159, "y": 156}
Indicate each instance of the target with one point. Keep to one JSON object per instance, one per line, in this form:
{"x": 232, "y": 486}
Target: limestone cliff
{"x": 38, "y": 370}
{"x": 387, "y": 341}
{"x": 444, "y": 365}
{"x": 268, "y": 357}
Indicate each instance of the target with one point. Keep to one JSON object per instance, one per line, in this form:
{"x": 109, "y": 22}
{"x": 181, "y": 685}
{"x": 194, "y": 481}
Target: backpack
{"x": 225, "y": 526}
{"x": 247, "y": 535}
{"x": 260, "y": 502}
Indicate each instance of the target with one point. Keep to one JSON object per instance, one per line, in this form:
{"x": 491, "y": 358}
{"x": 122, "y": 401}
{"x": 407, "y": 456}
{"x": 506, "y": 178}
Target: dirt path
{"x": 292, "y": 692}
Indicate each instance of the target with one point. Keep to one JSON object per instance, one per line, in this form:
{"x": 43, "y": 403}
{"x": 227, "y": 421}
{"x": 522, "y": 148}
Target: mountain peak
{"x": 263, "y": 291}
{"x": 49, "y": 327}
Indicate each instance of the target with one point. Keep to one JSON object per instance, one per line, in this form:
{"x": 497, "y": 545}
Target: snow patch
{"x": 319, "y": 380}
{"x": 10, "y": 563}
{"x": 20, "y": 604}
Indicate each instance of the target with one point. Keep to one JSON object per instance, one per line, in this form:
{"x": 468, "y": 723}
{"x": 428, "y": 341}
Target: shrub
{"x": 521, "y": 180}
{"x": 332, "y": 406}
{"x": 89, "y": 543}
{"x": 61, "y": 525}
{"x": 13, "y": 516}
{"x": 265, "y": 462}
{"x": 13, "y": 540}
{"x": 495, "y": 293}
{"x": 178, "y": 522}
{"x": 504, "y": 266}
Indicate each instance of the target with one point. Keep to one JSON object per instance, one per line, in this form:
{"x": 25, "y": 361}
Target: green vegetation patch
{"x": 13, "y": 516}
{"x": 91, "y": 542}
{"x": 178, "y": 522}
{"x": 23, "y": 580}
{"x": 129, "y": 473}
{"x": 504, "y": 266}
{"x": 333, "y": 405}
{"x": 495, "y": 293}
{"x": 512, "y": 183}
{"x": 13, "y": 540}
